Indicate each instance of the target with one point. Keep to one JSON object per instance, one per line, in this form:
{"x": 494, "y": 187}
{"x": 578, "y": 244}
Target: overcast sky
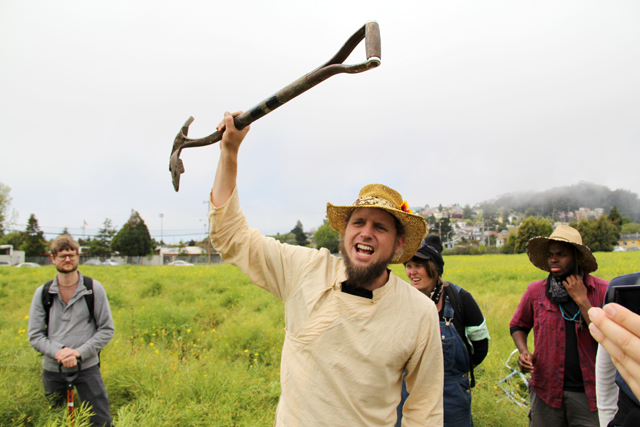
{"x": 472, "y": 100}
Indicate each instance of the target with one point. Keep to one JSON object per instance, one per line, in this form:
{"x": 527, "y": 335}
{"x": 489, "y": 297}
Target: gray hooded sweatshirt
{"x": 70, "y": 325}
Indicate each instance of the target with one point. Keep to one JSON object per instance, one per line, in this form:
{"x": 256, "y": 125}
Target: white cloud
{"x": 472, "y": 100}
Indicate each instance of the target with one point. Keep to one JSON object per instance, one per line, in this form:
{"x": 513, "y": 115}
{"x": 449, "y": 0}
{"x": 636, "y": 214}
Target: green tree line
{"x": 600, "y": 235}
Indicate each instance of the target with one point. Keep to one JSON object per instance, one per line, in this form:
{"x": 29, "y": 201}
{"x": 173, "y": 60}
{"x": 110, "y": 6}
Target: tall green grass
{"x": 200, "y": 346}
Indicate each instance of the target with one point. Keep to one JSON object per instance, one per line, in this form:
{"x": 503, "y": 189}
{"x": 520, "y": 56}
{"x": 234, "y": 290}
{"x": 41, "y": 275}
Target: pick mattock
{"x": 370, "y": 32}
{"x": 70, "y": 377}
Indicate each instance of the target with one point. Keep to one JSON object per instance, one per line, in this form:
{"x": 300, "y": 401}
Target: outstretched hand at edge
{"x": 618, "y": 330}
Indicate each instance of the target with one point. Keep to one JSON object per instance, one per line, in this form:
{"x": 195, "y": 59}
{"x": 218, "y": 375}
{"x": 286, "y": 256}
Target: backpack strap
{"x": 455, "y": 292}
{"x": 89, "y": 299}
{"x": 47, "y": 301}
{"x": 457, "y": 301}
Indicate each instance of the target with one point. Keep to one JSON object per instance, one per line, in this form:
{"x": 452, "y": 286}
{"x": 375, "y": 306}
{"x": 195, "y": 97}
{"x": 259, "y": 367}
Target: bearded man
{"x": 556, "y": 308}
{"x": 70, "y": 321}
{"x": 352, "y": 327}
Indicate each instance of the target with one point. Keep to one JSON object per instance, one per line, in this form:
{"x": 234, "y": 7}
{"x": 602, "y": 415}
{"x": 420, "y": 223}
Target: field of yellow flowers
{"x": 200, "y": 346}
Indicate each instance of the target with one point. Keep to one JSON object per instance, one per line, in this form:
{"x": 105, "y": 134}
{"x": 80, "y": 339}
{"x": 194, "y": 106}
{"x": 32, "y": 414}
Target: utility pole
{"x": 209, "y": 246}
{"x": 161, "y": 240}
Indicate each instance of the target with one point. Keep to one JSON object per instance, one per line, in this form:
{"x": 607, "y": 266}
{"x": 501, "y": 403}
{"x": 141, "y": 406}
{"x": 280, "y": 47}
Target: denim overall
{"x": 457, "y": 391}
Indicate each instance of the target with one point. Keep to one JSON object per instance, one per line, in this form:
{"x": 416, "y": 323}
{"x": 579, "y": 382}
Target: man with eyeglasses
{"x": 70, "y": 322}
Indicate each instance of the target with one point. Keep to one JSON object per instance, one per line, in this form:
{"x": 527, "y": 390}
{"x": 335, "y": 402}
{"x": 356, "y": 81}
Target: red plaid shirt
{"x": 536, "y": 311}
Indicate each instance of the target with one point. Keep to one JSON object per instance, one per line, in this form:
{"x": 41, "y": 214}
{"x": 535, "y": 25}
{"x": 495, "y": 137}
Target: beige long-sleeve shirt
{"x": 343, "y": 355}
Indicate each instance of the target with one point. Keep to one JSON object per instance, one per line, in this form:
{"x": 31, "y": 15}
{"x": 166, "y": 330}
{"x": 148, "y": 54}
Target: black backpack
{"x": 47, "y": 301}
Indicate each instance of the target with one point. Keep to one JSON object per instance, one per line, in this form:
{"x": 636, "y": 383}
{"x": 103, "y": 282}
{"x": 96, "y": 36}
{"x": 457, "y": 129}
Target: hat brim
{"x": 415, "y": 227}
{"x": 537, "y": 251}
{"x": 421, "y": 256}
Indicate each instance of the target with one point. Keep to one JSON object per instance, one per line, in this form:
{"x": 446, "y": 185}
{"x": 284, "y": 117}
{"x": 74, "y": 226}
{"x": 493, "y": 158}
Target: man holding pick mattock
{"x": 70, "y": 320}
{"x": 352, "y": 327}
{"x": 563, "y": 364}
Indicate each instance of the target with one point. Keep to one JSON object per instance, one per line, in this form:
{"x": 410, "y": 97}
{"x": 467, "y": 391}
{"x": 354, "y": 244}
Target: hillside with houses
{"x": 609, "y": 220}
{"x": 584, "y": 206}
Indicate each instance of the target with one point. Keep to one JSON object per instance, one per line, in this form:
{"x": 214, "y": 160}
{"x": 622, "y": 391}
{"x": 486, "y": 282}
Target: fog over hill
{"x": 571, "y": 198}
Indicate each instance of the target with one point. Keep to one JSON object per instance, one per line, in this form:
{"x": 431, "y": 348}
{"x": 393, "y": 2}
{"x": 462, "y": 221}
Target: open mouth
{"x": 415, "y": 280}
{"x": 364, "y": 250}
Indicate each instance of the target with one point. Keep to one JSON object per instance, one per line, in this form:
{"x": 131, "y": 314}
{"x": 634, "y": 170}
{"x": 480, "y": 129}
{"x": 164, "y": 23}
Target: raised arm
{"x": 225, "y": 181}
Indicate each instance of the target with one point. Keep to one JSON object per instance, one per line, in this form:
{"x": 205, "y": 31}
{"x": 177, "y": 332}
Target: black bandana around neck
{"x": 568, "y": 307}
{"x": 555, "y": 289}
{"x": 436, "y": 294}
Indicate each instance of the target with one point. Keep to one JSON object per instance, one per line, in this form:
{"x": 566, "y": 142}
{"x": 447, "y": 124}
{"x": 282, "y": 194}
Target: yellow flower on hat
{"x": 404, "y": 207}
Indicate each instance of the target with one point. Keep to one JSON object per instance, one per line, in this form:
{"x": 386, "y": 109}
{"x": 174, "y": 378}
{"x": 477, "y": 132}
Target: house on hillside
{"x": 501, "y": 239}
{"x": 629, "y": 240}
{"x": 586, "y": 213}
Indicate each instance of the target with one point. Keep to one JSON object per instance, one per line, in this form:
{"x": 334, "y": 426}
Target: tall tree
{"x": 301, "y": 238}
{"x": 489, "y": 212}
{"x": 615, "y": 217}
{"x": 15, "y": 239}
{"x": 182, "y": 249}
{"x": 100, "y": 245}
{"x": 34, "y": 243}
{"x": 327, "y": 237}
{"x": 598, "y": 234}
{"x": 5, "y": 202}
{"x": 504, "y": 214}
{"x": 133, "y": 239}
{"x": 531, "y": 227}
{"x": 442, "y": 228}
{"x": 509, "y": 246}
{"x": 467, "y": 212}
{"x": 288, "y": 238}
{"x": 630, "y": 228}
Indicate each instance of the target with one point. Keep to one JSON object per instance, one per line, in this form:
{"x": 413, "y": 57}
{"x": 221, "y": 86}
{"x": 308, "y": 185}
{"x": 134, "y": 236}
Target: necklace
{"x": 565, "y": 316}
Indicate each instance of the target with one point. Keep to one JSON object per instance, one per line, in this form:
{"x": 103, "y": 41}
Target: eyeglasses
{"x": 64, "y": 257}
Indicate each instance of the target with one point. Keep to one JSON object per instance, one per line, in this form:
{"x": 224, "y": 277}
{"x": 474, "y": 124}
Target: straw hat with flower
{"x": 382, "y": 197}
{"x": 537, "y": 249}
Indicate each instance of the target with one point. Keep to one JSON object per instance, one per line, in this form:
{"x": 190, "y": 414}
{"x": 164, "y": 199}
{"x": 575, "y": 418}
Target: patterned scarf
{"x": 556, "y": 292}
{"x": 436, "y": 293}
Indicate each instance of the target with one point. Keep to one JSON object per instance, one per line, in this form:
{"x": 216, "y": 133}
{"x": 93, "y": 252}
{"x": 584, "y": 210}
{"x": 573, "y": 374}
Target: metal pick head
{"x": 177, "y": 168}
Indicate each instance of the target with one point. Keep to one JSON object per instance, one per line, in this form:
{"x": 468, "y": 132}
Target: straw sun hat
{"x": 381, "y": 197}
{"x": 537, "y": 248}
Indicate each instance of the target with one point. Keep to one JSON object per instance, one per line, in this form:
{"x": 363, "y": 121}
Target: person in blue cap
{"x": 465, "y": 338}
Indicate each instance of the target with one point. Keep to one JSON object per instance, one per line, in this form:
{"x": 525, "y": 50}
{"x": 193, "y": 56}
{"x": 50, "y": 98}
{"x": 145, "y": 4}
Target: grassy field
{"x": 200, "y": 346}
